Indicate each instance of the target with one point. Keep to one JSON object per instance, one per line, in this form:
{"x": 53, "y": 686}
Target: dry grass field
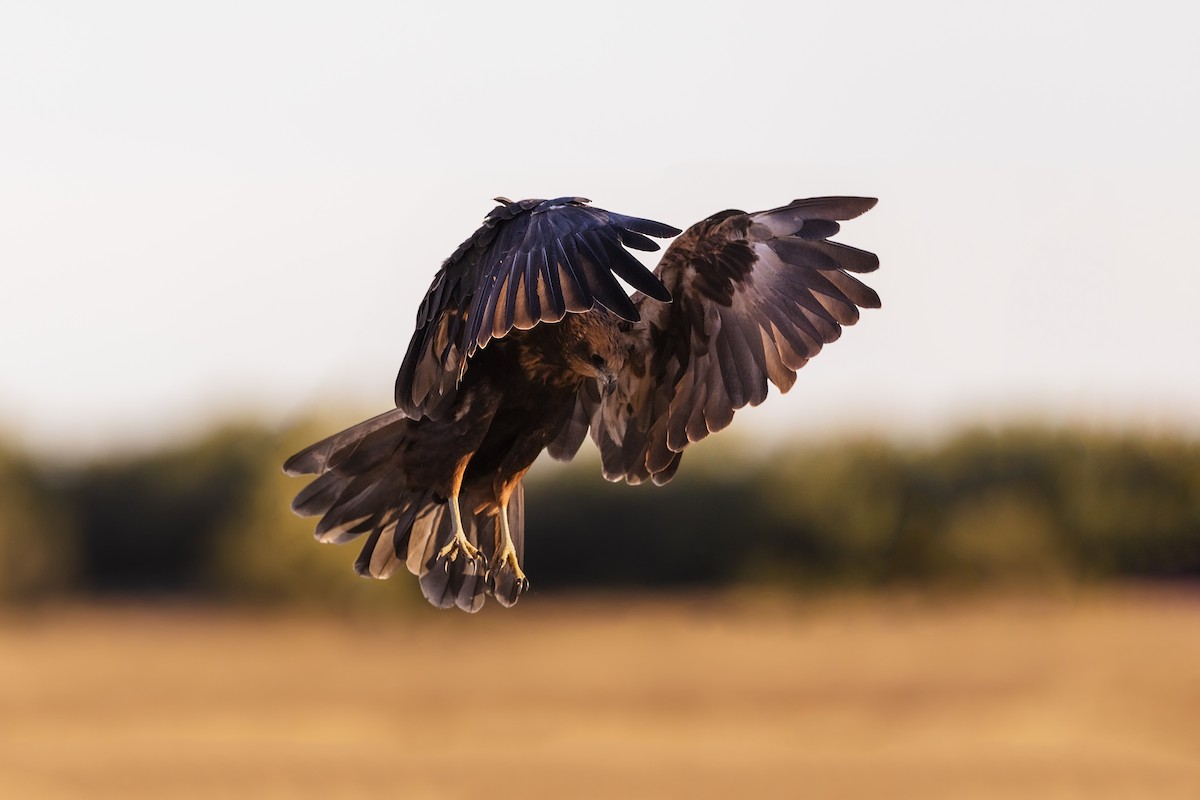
{"x": 1093, "y": 696}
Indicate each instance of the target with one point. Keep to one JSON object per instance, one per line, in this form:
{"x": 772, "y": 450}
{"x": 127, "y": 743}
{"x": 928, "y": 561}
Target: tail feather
{"x": 320, "y": 495}
{"x": 328, "y": 453}
{"x": 361, "y": 485}
{"x": 351, "y": 505}
{"x": 387, "y": 548}
{"x": 447, "y": 582}
{"x": 362, "y": 488}
{"x": 365, "y": 497}
{"x": 465, "y": 582}
{"x": 379, "y": 557}
{"x": 423, "y": 540}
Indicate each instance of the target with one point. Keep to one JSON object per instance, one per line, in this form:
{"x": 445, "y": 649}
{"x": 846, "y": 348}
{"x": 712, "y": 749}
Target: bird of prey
{"x": 526, "y": 341}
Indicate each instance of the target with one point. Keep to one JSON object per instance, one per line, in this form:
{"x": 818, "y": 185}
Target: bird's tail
{"x": 455, "y": 579}
{"x": 361, "y": 488}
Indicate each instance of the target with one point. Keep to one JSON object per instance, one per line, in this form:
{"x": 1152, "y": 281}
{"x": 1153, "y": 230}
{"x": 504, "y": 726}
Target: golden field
{"x": 1094, "y": 695}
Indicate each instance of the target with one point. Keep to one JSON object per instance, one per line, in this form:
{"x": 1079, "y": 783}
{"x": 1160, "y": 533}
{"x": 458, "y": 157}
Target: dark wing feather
{"x": 756, "y": 296}
{"x": 532, "y": 261}
{"x": 569, "y": 437}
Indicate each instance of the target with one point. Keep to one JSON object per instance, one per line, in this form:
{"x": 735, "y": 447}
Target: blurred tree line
{"x": 210, "y": 518}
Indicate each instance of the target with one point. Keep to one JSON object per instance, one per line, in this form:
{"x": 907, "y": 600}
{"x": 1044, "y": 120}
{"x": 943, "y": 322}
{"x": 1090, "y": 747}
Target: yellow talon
{"x": 459, "y": 542}
{"x": 508, "y": 553}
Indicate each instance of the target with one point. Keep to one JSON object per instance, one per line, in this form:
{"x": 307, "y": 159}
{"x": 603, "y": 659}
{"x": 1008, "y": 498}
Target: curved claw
{"x": 507, "y": 583}
{"x": 506, "y": 589}
{"x": 459, "y": 544}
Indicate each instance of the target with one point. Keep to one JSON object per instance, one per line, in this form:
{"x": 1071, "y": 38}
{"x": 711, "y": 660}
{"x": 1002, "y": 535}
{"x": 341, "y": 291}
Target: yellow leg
{"x": 504, "y": 561}
{"x": 459, "y": 542}
{"x": 507, "y": 552}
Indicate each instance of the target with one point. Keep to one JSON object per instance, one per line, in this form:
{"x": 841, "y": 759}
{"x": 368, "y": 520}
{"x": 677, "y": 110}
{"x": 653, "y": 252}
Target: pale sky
{"x": 214, "y": 207}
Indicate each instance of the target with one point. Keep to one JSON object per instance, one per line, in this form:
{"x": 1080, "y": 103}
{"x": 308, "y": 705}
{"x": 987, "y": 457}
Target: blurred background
{"x": 960, "y": 558}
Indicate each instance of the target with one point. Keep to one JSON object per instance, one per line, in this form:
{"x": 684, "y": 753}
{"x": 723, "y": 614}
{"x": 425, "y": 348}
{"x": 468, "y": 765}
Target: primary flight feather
{"x": 526, "y": 341}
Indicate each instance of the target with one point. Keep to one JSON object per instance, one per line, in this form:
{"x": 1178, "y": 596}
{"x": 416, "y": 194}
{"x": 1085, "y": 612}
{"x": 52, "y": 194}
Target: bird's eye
{"x": 597, "y": 361}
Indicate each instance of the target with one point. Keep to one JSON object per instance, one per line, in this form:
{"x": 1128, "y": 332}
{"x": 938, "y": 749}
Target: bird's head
{"x": 596, "y": 347}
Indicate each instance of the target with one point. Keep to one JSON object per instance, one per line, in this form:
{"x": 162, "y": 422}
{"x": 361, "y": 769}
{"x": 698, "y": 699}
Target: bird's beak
{"x": 608, "y": 382}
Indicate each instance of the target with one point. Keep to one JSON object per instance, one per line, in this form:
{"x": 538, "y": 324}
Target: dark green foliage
{"x": 687, "y": 533}
{"x": 1023, "y": 506}
{"x": 1027, "y": 506}
{"x": 147, "y": 523}
{"x": 38, "y": 551}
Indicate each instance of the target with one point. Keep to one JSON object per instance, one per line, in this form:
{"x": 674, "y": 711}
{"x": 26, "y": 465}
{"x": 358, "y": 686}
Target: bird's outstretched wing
{"x": 532, "y": 261}
{"x": 755, "y": 296}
